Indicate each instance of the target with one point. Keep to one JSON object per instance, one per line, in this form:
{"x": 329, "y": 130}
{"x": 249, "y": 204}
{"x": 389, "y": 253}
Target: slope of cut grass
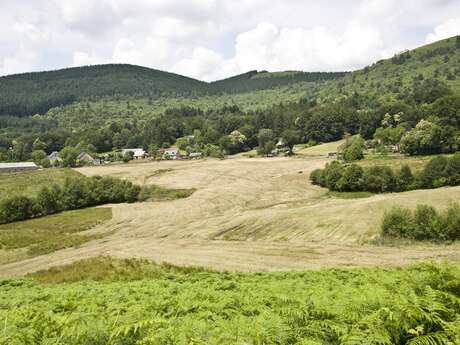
{"x": 30, "y": 182}
{"x": 48, "y": 234}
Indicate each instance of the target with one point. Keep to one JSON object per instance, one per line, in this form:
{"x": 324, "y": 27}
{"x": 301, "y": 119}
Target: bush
{"x": 397, "y": 223}
{"x": 379, "y": 179}
{"x": 332, "y": 174}
{"x": 425, "y": 223}
{"x": 452, "y": 170}
{"x": 425, "y": 227}
{"x": 433, "y": 172}
{"x": 355, "y": 151}
{"x": 16, "y": 208}
{"x": 317, "y": 177}
{"x": 352, "y": 179}
{"x": 405, "y": 179}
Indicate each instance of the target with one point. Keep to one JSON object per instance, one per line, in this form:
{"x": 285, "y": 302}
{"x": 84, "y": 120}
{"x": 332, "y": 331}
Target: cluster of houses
{"x": 172, "y": 153}
{"x": 84, "y": 158}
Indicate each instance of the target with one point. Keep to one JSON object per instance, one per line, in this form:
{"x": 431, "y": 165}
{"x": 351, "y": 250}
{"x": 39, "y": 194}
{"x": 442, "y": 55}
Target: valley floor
{"x": 259, "y": 214}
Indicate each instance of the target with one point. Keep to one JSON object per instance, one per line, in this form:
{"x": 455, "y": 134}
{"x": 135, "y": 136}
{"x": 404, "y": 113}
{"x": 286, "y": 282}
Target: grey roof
{"x": 18, "y": 165}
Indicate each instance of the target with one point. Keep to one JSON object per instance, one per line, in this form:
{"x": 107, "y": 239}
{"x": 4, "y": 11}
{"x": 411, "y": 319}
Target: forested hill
{"x": 31, "y": 93}
{"x": 255, "y": 80}
{"x": 412, "y": 74}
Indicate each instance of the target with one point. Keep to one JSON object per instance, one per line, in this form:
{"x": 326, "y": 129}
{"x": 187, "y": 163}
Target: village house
{"x": 138, "y": 153}
{"x": 17, "y": 167}
{"x": 86, "y": 158}
{"x": 54, "y": 158}
{"x": 171, "y": 153}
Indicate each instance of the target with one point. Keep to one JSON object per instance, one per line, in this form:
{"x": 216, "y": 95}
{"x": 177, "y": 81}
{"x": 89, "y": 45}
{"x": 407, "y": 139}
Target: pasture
{"x": 249, "y": 214}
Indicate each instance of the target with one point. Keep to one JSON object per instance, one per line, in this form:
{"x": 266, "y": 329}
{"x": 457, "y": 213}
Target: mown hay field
{"x": 249, "y": 214}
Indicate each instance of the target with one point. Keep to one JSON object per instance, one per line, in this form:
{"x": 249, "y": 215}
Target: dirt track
{"x": 248, "y": 215}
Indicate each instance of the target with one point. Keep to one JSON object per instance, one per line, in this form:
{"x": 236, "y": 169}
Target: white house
{"x": 171, "y": 153}
{"x": 137, "y": 153}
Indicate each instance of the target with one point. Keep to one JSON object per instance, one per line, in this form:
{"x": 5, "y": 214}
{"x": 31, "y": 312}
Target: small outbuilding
{"x": 138, "y": 153}
{"x": 17, "y": 167}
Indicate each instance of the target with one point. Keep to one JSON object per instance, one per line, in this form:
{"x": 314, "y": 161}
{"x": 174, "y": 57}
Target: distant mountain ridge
{"x": 37, "y": 92}
{"x": 31, "y": 93}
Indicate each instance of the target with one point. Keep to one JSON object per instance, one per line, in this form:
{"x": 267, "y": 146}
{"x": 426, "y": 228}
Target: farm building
{"x": 137, "y": 153}
{"x": 195, "y": 155}
{"x": 171, "y": 153}
{"x": 17, "y": 167}
{"x": 54, "y": 158}
{"x": 86, "y": 158}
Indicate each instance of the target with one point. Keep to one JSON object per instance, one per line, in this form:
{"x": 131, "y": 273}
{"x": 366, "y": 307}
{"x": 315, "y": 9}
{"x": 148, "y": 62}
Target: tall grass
{"x": 134, "y": 302}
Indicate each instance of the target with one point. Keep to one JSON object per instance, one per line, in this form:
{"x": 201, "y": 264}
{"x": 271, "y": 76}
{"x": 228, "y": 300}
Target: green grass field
{"x": 44, "y": 235}
{"x": 108, "y": 301}
{"x": 29, "y": 183}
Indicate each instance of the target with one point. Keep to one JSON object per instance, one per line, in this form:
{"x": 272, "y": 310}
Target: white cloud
{"x": 217, "y": 38}
{"x": 23, "y": 60}
{"x": 318, "y": 48}
{"x": 205, "y": 64}
{"x": 86, "y": 59}
{"x": 447, "y": 29}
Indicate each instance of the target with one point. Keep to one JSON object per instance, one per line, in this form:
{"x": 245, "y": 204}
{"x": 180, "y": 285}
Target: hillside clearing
{"x": 248, "y": 214}
{"x": 29, "y": 183}
{"x": 30, "y": 238}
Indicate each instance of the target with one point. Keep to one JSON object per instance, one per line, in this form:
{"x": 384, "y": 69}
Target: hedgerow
{"x": 424, "y": 223}
{"x": 76, "y": 192}
{"x": 438, "y": 172}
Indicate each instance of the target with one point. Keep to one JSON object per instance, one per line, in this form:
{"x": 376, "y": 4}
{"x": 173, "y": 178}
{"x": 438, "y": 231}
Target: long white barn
{"x": 17, "y": 167}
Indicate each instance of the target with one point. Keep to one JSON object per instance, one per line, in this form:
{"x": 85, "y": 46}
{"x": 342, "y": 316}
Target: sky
{"x": 214, "y": 39}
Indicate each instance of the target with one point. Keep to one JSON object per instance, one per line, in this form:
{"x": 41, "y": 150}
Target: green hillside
{"x": 36, "y": 93}
{"x": 394, "y": 79}
{"x": 255, "y": 80}
{"x": 31, "y": 93}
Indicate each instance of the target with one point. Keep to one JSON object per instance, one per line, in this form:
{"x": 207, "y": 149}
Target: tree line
{"x": 423, "y": 223}
{"x": 75, "y": 193}
{"x": 438, "y": 172}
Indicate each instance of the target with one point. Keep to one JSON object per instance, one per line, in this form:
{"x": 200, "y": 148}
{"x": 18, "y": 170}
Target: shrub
{"x": 405, "y": 178}
{"x": 450, "y": 222}
{"x": 425, "y": 227}
{"x": 425, "y": 223}
{"x": 48, "y": 200}
{"x": 352, "y": 179}
{"x": 333, "y": 173}
{"x": 16, "y": 208}
{"x": 379, "y": 179}
{"x": 355, "y": 151}
{"x": 398, "y": 222}
{"x": 452, "y": 170}
{"x": 433, "y": 172}
{"x": 317, "y": 177}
